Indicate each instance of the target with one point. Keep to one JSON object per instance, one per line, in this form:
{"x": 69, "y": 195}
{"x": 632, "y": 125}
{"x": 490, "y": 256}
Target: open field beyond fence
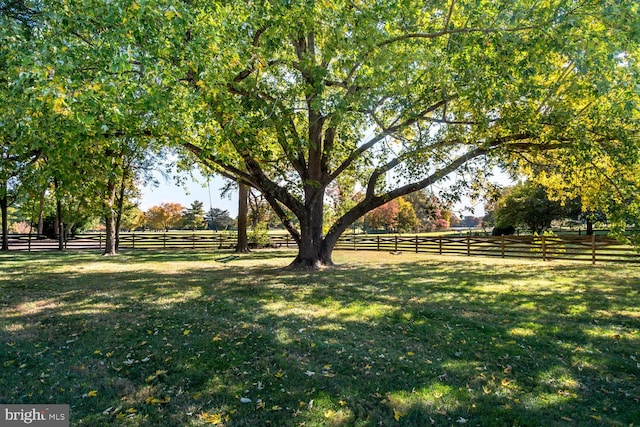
{"x": 592, "y": 249}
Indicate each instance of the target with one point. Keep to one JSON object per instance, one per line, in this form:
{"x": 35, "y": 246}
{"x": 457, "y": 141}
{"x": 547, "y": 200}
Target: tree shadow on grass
{"x": 407, "y": 344}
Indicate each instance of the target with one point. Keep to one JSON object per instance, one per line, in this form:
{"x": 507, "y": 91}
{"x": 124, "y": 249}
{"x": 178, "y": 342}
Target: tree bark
{"x": 314, "y": 251}
{"x": 109, "y": 219}
{"x": 41, "y": 214}
{"x": 243, "y": 194}
{"x": 59, "y": 224}
{"x": 4, "y": 207}
{"x": 120, "y": 209}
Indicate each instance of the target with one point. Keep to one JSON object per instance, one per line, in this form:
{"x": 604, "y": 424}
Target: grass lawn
{"x": 173, "y": 339}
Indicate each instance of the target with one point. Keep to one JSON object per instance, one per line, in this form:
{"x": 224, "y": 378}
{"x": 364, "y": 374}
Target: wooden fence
{"x": 592, "y": 249}
{"x": 141, "y": 240}
{"x": 579, "y": 248}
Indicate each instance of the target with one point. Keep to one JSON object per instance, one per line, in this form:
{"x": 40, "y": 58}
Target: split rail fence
{"x": 592, "y": 249}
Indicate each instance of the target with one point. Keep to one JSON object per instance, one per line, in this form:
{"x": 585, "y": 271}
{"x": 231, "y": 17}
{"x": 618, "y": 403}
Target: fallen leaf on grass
{"x": 326, "y": 371}
{"x": 397, "y": 414}
{"x": 215, "y": 419}
{"x": 156, "y": 375}
{"x": 156, "y": 401}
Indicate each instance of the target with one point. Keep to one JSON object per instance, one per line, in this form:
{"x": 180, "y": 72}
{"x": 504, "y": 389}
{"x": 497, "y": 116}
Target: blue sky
{"x": 190, "y": 191}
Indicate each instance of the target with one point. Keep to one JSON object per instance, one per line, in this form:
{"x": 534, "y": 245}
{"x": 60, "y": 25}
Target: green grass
{"x": 172, "y": 339}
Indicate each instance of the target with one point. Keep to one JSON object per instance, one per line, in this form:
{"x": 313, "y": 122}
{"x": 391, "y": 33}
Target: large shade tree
{"x": 291, "y": 96}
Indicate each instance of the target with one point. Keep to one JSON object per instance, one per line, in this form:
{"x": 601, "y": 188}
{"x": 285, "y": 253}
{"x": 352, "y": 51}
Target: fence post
{"x": 164, "y": 240}
{"x": 133, "y": 240}
{"x": 99, "y": 241}
{"x": 396, "y": 243}
{"x": 468, "y": 245}
{"x": 440, "y": 245}
{"x": 593, "y": 249}
{"x": 416, "y": 243}
{"x": 378, "y": 242}
{"x": 544, "y": 248}
{"x": 355, "y": 246}
{"x": 193, "y": 240}
{"x": 29, "y": 243}
{"x": 502, "y": 245}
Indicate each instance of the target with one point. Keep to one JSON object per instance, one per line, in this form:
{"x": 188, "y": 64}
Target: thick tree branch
{"x": 270, "y": 188}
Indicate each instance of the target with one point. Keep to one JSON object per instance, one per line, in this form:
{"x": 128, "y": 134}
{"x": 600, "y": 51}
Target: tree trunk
{"x": 120, "y": 210}
{"x": 59, "y": 224}
{"x": 109, "y": 219}
{"x": 314, "y": 251}
{"x": 41, "y": 214}
{"x": 4, "y": 207}
{"x": 589, "y": 227}
{"x": 110, "y": 239}
{"x": 243, "y": 194}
